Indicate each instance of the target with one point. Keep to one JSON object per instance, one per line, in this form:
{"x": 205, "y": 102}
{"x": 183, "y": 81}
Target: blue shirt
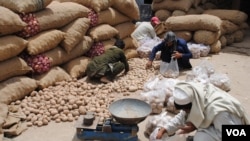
{"x": 166, "y": 53}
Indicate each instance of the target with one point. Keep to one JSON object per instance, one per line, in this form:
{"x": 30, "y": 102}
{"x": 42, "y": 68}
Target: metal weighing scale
{"x": 126, "y": 114}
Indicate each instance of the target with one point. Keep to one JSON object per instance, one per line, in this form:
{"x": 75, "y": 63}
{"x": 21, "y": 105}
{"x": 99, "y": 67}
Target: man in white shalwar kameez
{"x": 204, "y": 109}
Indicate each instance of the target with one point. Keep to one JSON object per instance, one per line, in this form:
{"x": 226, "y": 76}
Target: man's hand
{"x": 177, "y": 55}
{"x": 149, "y": 64}
{"x": 189, "y": 127}
{"x": 160, "y": 133}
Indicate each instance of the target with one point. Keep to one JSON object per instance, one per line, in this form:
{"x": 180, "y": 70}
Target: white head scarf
{"x": 207, "y": 101}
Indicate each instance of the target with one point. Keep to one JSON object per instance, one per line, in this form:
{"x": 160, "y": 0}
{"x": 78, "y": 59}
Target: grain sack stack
{"x": 205, "y": 28}
{"x": 233, "y": 24}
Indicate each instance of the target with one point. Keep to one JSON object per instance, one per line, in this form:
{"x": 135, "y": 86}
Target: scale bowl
{"x": 129, "y": 110}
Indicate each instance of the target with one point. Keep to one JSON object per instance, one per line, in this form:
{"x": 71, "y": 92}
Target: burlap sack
{"x": 108, "y": 43}
{"x": 74, "y": 33}
{"x": 209, "y": 5}
{"x": 25, "y": 6}
{"x": 11, "y": 46}
{"x": 234, "y": 16}
{"x": 16, "y": 88}
{"x": 193, "y": 11}
{"x": 125, "y": 29}
{"x": 178, "y": 13}
{"x": 228, "y": 27}
{"x": 57, "y": 15}
{"x": 186, "y": 35}
{"x": 3, "y": 115}
{"x": 244, "y": 26}
{"x": 102, "y": 32}
{"x": 194, "y": 22}
{"x": 58, "y": 56}
{"x": 163, "y": 14}
{"x": 97, "y": 5}
{"x": 206, "y": 37}
{"x": 238, "y": 36}
{"x": 161, "y": 29}
{"x": 44, "y": 41}
{"x": 215, "y": 47}
{"x": 230, "y": 38}
{"x": 112, "y": 17}
{"x": 128, "y": 43}
{"x": 56, "y": 74}
{"x": 196, "y": 3}
{"x": 131, "y": 53}
{"x": 10, "y": 22}
{"x": 223, "y": 41}
{"x": 13, "y": 67}
{"x": 171, "y": 5}
{"x": 128, "y": 8}
{"x": 76, "y": 68}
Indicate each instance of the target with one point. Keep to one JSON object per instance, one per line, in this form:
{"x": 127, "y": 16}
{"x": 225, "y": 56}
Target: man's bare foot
{"x": 105, "y": 80}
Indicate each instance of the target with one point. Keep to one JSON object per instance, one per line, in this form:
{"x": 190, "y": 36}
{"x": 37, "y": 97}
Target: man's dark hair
{"x": 119, "y": 43}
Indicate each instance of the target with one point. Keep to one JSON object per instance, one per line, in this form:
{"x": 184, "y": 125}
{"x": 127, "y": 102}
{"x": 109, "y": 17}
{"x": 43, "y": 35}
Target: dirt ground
{"x": 232, "y": 60}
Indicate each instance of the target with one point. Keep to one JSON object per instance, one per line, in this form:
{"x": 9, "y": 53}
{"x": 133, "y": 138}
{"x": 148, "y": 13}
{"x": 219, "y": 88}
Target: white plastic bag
{"x": 172, "y": 70}
{"x": 153, "y": 135}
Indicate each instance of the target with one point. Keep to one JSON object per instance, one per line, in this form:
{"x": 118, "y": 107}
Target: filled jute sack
{"x": 234, "y": 16}
{"x": 194, "y": 22}
{"x": 230, "y": 38}
{"x": 112, "y": 17}
{"x": 128, "y": 8}
{"x": 215, "y": 47}
{"x": 102, "y": 32}
{"x": 228, "y": 27}
{"x": 10, "y": 22}
{"x": 25, "y": 6}
{"x": 3, "y": 115}
{"x": 206, "y": 37}
{"x": 16, "y": 88}
{"x": 55, "y": 74}
{"x": 11, "y": 46}
{"x": 172, "y": 5}
{"x": 57, "y": 15}
{"x": 163, "y": 14}
{"x": 15, "y": 66}
{"x": 74, "y": 33}
{"x": 44, "y": 41}
{"x": 125, "y": 29}
{"x": 129, "y": 43}
{"x": 76, "y": 68}
{"x": 178, "y": 13}
{"x": 238, "y": 36}
{"x": 131, "y": 53}
{"x": 96, "y": 5}
{"x": 58, "y": 55}
{"x": 161, "y": 28}
{"x": 197, "y": 10}
{"x": 223, "y": 41}
{"x": 108, "y": 43}
{"x": 186, "y": 35}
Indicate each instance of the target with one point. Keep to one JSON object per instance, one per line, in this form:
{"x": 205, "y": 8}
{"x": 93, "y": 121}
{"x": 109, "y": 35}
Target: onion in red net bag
{"x": 92, "y": 15}
{"x": 39, "y": 63}
{"x": 32, "y": 27}
{"x": 96, "y": 50}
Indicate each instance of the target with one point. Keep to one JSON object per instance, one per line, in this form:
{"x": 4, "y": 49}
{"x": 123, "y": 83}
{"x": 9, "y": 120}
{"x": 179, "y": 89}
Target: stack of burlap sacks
{"x": 201, "y": 22}
{"x": 65, "y": 35}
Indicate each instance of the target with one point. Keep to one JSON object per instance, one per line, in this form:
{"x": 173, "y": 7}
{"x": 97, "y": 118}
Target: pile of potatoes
{"x": 67, "y": 100}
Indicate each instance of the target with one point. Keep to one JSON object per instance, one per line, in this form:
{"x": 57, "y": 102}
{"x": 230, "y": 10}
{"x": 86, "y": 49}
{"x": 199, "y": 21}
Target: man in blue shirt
{"x": 174, "y": 47}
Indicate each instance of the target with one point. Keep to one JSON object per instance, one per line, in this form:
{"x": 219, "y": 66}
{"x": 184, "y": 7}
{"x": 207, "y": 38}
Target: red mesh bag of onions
{"x": 39, "y": 63}
{"x": 32, "y": 27}
{"x": 96, "y": 50}
{"x": 92, "y": 15}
